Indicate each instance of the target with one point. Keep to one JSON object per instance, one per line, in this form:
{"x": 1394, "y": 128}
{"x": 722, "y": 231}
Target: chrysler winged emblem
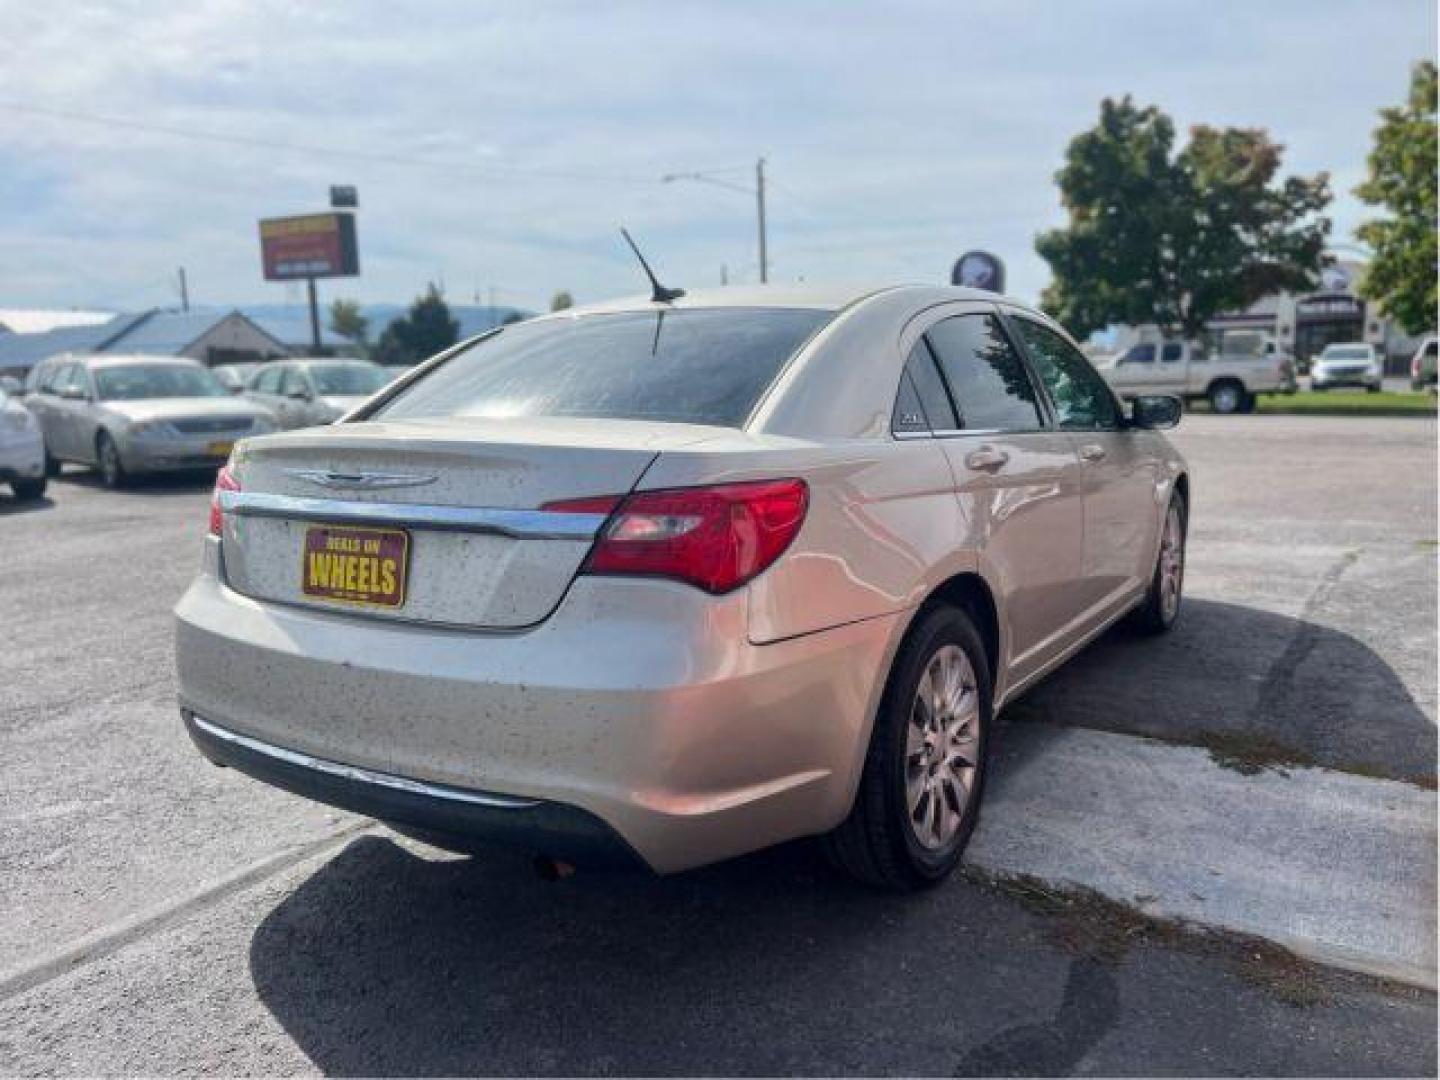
{"x": 364, "y": 481}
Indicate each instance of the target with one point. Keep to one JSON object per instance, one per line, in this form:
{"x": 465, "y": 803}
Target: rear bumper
{"x": 637, "y": 703}
{"x": 563, "y": 832}
{"x": 165, "y": 455}
{"x": 22, "y": 455}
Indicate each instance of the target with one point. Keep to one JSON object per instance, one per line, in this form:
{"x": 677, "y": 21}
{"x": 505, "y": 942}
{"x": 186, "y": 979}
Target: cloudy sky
{"x": 499, "y": 146}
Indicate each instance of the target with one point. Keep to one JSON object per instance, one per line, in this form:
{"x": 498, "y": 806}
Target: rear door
{"x": 1121, "y": 470}
{"x": 1018, "y": 480}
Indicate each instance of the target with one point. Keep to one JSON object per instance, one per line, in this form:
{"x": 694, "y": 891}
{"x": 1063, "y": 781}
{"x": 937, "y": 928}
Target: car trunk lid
{"x": 457, "y": 506}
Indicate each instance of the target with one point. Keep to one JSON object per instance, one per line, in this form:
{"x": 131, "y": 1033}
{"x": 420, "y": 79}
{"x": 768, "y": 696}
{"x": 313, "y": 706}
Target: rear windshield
{"x": 348, "y": 380}
{"x": 132, "y": 382}
{"x": 700, "y": 366}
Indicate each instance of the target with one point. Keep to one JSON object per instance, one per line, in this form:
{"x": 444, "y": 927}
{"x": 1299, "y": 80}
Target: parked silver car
{"x": 137, "y": 414}
{"x": 1356, "y": 364}
{"x": 669, "y": 582}
{"x": 304, "y": 393}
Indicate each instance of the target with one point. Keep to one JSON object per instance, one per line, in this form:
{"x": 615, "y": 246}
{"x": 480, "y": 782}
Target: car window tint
{"x": 987, "y": 379}
{"x": 1171, "y": 353}
{"x": 294, "y": 382}
{"x": 1140, "y": 354}
{"x": 698, "y": 366}
{"x": 1082, "y": 398}
{"x": 269, "y": 380}
{"x": 930, "y": 388}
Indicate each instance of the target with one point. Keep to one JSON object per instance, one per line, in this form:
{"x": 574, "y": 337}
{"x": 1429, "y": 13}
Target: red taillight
{"x": 716, "y": 538}
{"x": 224, "y": 481}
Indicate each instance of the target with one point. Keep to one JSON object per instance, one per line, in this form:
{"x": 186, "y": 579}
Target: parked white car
{"x": 22, "y": 449}
{"x": 1229, "y": 380}
{"x": 1353, "y": 364}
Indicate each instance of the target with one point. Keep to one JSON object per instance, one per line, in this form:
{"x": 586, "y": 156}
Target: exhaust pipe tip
{"x": 548, "y": 868}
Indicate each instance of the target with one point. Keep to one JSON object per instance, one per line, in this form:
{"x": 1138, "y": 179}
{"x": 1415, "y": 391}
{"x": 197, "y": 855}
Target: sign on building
{"x": 309, "y": 246}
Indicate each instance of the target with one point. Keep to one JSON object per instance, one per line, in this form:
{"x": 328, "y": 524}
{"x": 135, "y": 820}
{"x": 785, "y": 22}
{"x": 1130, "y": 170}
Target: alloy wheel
{"x": 942, "y": 748}
{"x": 1172, "y": 564}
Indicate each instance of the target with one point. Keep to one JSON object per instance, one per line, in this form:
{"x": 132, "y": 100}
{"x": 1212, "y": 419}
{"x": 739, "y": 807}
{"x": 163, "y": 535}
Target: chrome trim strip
{"x": 363, "y": 776}
{"x": 517, "y": 524}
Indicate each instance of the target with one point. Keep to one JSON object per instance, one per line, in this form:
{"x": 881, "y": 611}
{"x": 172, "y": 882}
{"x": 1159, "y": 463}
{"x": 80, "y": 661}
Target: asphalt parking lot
{"x": 163, "y": 916}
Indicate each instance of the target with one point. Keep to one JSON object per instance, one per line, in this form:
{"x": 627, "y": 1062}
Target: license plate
{"x": 220, "y": 449}
{"x": 355, "y": 565}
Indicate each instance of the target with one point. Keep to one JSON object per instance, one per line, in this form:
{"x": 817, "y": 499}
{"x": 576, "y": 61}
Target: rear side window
{"x": 699, "y": 366}
{"x": 1171, "y": 353}
{"x": 923, "y": 403}
{"x": 987, "y": 379}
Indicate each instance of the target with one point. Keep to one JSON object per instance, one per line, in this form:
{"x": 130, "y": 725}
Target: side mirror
{"x": 298, "y": 393}
{"x": 74, "y": 393}
{"x": 1156, "y": 412}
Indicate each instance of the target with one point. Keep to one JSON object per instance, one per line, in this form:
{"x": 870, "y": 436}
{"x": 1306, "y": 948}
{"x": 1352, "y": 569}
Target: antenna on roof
{"x": 660, "y": 294}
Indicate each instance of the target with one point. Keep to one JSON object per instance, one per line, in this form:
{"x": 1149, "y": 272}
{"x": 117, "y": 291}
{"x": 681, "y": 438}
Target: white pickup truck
{"x": 1229, "y": 380}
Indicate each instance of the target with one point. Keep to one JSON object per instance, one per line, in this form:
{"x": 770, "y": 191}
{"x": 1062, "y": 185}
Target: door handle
{"x": 1092, "y": 452}
{"x": 986, "y": 457}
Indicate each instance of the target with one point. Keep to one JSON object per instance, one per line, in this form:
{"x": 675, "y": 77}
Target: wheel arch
{"x": 969, "y": 592}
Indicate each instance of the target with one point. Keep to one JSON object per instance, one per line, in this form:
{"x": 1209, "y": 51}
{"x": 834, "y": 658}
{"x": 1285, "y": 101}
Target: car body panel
{"x": 697, "y": 726}
{"x": 22, "y": 447}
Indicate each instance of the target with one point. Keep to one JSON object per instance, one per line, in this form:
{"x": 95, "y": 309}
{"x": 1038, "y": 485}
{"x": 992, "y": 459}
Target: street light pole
{"x": 758, "y": 191}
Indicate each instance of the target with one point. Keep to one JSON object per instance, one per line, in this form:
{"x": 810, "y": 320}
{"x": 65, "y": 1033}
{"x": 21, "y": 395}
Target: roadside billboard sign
{"x": 309, "y": 246}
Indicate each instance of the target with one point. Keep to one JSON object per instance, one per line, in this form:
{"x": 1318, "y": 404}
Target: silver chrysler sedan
{"x": 666, "y": 582}
{"x": 137, "y": 414}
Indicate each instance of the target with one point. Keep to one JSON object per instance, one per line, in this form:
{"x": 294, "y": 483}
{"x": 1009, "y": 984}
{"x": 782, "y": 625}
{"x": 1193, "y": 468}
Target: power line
{"x": 313, "y": 149}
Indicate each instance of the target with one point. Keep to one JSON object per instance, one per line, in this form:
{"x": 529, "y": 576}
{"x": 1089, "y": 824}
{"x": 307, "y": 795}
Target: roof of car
{"x": 99, "y": 360}
{"x": 819, "y": 297}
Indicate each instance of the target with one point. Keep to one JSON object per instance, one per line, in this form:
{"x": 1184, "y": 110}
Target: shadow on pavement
{"x": 383, "y": 962}
{"x": 150, "y": 484}
{"x": 10, "y": 505}
{"x": 1244, "y": 678}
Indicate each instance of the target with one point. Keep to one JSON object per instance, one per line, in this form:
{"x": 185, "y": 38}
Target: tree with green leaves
{"x": 347, "y": 321}
{"x": 426, "y": 329}
{"x": 1156, "y": 236}
{"x": 561, "y": 300}
{"x": 1401, "y": 275}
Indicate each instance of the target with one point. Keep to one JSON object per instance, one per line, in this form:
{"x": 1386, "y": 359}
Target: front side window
{"x": 135, "y": 382}
{"x": 1139, "y": 354}
{"x": 268, "y": 381}
{"x": 294, "y": 383}
{"x": 1083, "y": 401}
{"x": 347, "y": 380}
{"x": 1171, "y": 353}
{"x": 987, "y": 379}
{"x": 695, "y": 366}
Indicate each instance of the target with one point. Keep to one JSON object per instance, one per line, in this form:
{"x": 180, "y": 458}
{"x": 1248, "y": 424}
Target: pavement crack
{"x": 1279, "y": 680}
{"x": 113, "y": 938}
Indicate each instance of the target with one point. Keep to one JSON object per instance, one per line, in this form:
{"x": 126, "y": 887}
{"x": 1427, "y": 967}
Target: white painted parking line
{"x": 1335, "y": 867}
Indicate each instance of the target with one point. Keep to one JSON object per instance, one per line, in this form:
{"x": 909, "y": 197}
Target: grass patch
{"x": 1340, "y": 403}
{"x": 1350, "y": 402}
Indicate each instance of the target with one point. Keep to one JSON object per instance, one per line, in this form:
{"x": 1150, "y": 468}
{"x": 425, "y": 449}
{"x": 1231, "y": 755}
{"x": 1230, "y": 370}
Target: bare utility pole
{"x": 760, "y": 213}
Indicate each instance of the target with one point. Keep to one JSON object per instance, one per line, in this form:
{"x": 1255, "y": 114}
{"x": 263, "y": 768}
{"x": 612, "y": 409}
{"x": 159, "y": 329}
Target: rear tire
{"x": 924, "y": 776}
{"x": 1160, "y": 609}
{"x": 52, "y": 465}
{"x": 1226, "y": 397}
{"x": 29, "y": 490}
{"x": 112, "y": 469}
